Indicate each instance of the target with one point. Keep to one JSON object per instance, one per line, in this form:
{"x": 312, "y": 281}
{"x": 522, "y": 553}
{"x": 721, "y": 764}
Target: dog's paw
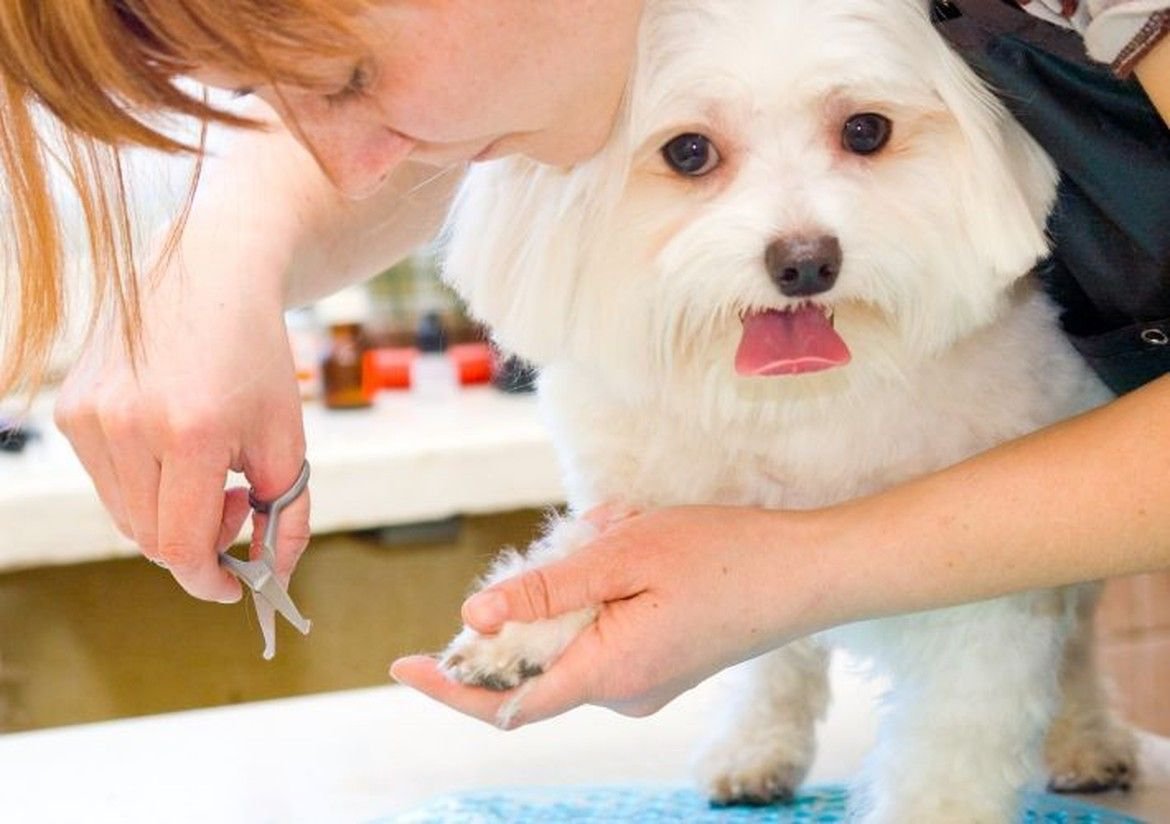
{"x": 498, "y": 662}
{"x": 743, "y": 772}
{"x": 754, "y": 784}
{"x": 1092, "y": 761}
{"x": 513, "y": 655}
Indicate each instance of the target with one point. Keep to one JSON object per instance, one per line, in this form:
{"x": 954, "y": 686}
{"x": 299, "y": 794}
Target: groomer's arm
{"x": 1153, "y": 72}
{"x": 688, "y": 591}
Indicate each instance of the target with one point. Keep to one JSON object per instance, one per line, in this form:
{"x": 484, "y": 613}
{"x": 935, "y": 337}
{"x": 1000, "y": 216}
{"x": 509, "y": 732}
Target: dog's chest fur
{"x": 704, "y": 440}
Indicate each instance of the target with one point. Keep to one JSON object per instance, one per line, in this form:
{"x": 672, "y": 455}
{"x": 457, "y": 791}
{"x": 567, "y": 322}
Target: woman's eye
{"x": 356, "y": 86}
{"x": 866, "y": 133}
{"x": 691, "y": 154}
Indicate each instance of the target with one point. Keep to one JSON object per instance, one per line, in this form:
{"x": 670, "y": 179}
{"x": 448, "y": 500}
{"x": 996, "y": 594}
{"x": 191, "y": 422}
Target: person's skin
{"x": 686, "y": 592}
{"x": 1153, "y": 72}
{"x": 215, "y": 387}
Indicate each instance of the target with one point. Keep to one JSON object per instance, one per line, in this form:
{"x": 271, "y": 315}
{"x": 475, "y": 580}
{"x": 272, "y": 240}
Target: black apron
{"x": 1110, "y": 265}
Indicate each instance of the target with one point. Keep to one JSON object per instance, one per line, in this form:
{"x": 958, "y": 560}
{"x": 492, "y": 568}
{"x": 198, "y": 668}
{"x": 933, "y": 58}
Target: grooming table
{"x": 376, "y": 754}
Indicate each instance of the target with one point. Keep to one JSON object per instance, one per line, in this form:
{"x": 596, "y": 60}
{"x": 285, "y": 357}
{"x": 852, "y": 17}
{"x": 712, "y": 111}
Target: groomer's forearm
{"x": 266, "y": 200}
{"x": 1153, "y": 72}
{"x": 1086, "y": 499}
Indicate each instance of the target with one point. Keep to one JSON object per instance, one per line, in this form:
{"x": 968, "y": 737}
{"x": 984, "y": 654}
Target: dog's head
{"x": 791, "y": 186}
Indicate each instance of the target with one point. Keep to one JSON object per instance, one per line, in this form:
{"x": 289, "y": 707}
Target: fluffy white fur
{"x": 625, "y": 283}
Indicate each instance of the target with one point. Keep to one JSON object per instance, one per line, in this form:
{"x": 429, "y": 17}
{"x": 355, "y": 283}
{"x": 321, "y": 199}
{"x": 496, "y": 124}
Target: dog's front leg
{"x": 765, "y": 746}
{"x": 1088, "y": 748}
{"x": 521, "y": 651}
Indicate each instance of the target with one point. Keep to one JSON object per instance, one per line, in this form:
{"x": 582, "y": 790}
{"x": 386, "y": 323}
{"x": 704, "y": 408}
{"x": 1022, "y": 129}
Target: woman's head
{"x": 449, "y": 81}
{"x": 363, "y": 83}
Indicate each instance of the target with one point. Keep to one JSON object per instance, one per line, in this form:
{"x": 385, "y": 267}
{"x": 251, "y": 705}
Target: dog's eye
{"x": 691, "y": 154}
{"x": 866, "y": 133}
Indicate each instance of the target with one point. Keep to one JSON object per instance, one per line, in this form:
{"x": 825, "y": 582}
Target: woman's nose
{"x": 358, "y": 164}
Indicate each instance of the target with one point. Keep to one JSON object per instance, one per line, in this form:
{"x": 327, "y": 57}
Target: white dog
{"x": 797, "y": 274}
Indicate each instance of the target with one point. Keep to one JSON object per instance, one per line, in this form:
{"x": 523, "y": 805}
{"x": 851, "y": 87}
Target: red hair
{"x": 100, "y": 70}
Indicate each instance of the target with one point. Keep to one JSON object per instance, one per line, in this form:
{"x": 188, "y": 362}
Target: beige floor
{"x": 119, "y": 639}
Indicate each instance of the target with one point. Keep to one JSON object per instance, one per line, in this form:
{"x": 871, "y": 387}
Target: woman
{"x": 381, "y": 103}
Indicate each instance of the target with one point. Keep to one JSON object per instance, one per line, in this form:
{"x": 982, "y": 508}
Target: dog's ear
{"x": 1004, "y": 182}
{"x": 515, "y": 245}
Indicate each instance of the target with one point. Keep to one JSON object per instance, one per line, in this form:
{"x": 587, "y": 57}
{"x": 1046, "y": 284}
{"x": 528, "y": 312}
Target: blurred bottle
{"x": 341, "y": 370}
{"x": 433, "y": 373}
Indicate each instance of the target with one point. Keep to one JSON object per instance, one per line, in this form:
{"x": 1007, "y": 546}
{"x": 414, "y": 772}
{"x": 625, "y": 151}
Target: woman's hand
{"x": 214, "y": 389}
{"x": 685, "y": 592}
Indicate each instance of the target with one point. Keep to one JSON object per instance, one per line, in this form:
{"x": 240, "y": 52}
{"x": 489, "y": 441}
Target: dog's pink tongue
{"x": 789, "y": 343}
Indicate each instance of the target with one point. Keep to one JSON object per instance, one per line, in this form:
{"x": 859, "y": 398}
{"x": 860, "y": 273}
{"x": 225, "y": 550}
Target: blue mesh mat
{"x": 649, "y": 804}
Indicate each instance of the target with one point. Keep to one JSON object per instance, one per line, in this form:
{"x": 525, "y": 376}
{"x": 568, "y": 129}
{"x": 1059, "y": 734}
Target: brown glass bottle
{"x": 341, "y": 371}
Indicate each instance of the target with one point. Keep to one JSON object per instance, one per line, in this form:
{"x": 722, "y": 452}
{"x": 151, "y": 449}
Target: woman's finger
{"x": 421, "y": 672}
{"x": 137, "y": 472}
{"x": 567, "y": 684}
{"x": 84, "y": 433}
{"x": 273, "y": 460}
{"x": 590, "y": 576}
{"x": 292, "y": 535}
{"x": 236, "y": 510}
{"x": 192, "y": 524}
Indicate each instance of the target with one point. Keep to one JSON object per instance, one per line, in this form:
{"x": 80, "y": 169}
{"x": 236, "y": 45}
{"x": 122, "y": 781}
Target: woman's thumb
{"x": 586, "y": 578}
{"x": 574, "y": 583}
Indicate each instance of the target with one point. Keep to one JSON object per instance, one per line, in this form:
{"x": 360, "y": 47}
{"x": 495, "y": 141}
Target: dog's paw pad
{"x": 1092, "y": 762}
{"x": 755, "y": 764}
{"x": 488, "y": 663}
{"x": 755, "y": 788}
{"x": 1101, "y": 778}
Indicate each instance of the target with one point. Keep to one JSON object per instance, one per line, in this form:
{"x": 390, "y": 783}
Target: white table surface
{"x": 357, "y": 756}
{"x": 351, "y": 756}
{"x": 401, "y": 461}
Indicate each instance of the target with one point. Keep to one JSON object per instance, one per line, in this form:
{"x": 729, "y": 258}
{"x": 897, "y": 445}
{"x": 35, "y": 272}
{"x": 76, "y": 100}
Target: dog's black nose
{"x": 801, "y": 267}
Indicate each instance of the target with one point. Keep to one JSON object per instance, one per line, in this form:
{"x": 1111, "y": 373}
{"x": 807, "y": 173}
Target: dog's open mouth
{"x": 789, "y": 341}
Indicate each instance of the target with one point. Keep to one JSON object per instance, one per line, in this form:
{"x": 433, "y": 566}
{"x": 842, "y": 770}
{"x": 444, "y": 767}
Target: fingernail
{"x": 230, "y": 598}
{"x": 486, "y": 609}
